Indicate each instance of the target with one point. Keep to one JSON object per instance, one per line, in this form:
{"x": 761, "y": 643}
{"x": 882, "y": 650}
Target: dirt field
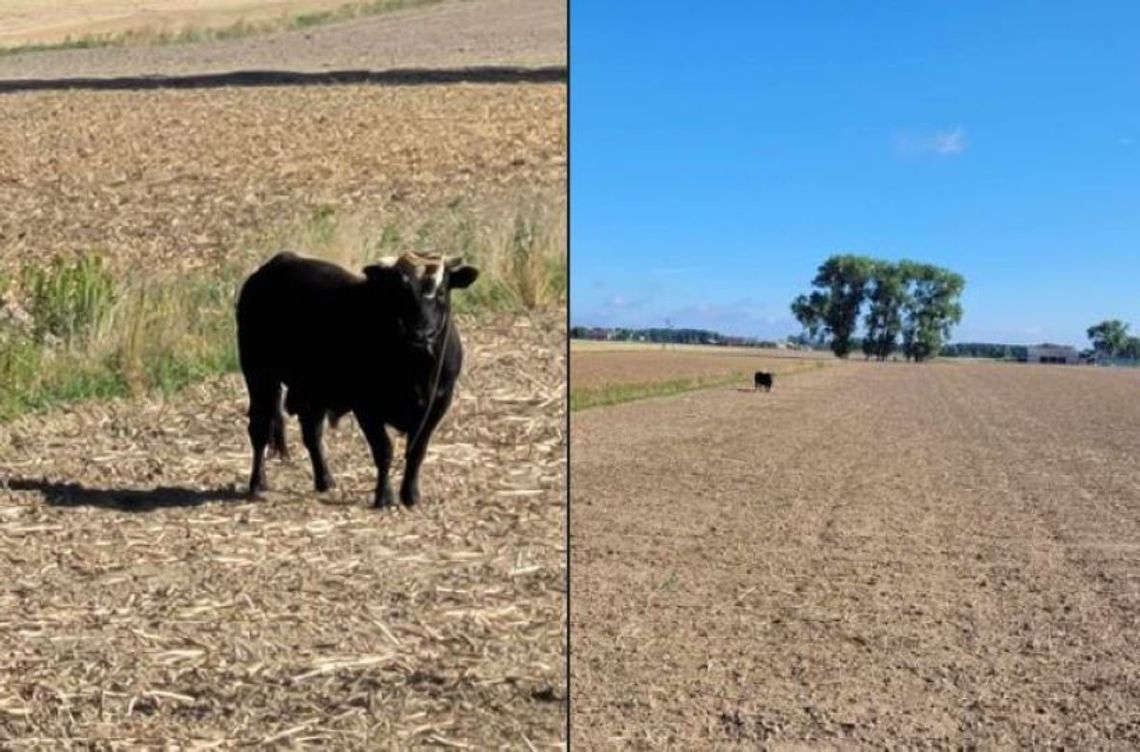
{"x": 942, "y": 555}
{"x": 595, "y": 367}
{"x": 450, "y": 34}
{"x": 145, "y": 601}
{"x": 171, "y": 179}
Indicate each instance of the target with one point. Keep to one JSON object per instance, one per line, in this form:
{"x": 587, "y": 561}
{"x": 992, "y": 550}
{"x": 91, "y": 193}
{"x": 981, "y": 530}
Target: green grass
{"x": 87, "y": 335}
{"x": 147, "y": 37}
{"x": 73, "y": 330}
{"x": 614, "y": 394}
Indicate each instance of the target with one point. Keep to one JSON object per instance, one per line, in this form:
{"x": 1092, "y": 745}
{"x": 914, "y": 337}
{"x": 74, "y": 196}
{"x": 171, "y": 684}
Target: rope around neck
{"x": 435, "y": 381}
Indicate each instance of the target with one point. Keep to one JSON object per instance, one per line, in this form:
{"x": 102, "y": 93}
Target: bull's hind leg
{"x": 381, "y": 446}
{"x": 312, "y": 431}
{"x": 264, "y": 403}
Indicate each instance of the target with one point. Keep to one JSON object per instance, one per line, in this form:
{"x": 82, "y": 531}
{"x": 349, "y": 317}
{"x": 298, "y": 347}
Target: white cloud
{"x": 944, "y": 143}
{"x": 620, "y": 301}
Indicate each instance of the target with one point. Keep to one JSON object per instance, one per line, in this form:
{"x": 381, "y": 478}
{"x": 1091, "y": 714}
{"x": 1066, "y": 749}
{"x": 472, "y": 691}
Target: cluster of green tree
{"x": 1110, "y": 339}
{"x": 985, "y": 350}
{"x": 910, "y": 306}
{"x": 663, "y": 335}
{"x": 622, "y": 334}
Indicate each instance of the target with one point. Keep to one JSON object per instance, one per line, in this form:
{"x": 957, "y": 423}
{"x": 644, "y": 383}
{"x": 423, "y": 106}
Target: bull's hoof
{"x": 324, "y": 484}
{"x": 409, "y": 497}
{"x": 383, "y": 499}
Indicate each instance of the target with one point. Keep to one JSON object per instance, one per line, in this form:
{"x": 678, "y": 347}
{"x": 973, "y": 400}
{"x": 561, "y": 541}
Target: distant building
{"x": 1052, "y": 354}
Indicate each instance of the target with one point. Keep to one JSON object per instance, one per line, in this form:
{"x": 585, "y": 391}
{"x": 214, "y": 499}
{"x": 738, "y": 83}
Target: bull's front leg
{"x": 381, "y": 447}
{"x": 417, "y": 449}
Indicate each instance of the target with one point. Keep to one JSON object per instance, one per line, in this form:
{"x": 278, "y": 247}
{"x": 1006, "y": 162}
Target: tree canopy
{"x": 910, "y": 306}
{"x": 1109, "y": 337}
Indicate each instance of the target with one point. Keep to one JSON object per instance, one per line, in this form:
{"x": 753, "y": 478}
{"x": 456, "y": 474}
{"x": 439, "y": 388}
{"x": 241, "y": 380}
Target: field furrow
{"x": 872, "y": 554}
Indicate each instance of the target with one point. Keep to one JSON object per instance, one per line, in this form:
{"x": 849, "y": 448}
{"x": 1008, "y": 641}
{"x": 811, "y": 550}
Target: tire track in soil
{"x": 804, "y": 523}
{"x": 1071, "y": 585}
{"x": 924, "y": 600}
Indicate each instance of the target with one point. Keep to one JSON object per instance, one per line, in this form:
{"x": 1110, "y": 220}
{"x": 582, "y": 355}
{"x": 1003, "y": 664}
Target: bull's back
{"x": 286, "y": 311}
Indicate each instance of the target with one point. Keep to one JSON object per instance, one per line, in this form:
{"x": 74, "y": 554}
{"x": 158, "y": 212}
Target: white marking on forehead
{"x": 436, "y": 278}
{"x": 422, "y": 267}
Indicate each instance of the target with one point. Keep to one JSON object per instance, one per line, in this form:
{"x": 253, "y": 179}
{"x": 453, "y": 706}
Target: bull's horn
{"x": 453, "y": 262}
{"x": 407, "y": 264}
{"x": 387, "y": 261}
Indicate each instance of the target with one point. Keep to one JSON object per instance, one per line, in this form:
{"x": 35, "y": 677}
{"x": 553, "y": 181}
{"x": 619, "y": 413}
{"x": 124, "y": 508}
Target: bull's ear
{"x": 462, "y": 276}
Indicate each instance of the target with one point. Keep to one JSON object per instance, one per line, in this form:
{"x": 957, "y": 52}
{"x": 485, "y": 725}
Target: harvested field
{"x": 942, "y": 555}
{"x": 169, "y": 180}
{"x": 144, "y": 601}
{"x": 34, "y": 21}
{"x": 450, "y": 34}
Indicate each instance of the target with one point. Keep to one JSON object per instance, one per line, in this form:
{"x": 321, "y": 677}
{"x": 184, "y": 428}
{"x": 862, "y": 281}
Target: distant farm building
{"x": 1052, "y": 354}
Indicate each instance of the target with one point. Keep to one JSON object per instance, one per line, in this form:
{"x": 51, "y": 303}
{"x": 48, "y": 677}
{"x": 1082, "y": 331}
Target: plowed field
{"x": 942, "y": 555}
{"x": 173, "y": 179}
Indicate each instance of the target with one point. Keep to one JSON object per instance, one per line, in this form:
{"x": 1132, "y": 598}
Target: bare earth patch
{"x": 144, "y": 601}
{"x": 875, "y": 554}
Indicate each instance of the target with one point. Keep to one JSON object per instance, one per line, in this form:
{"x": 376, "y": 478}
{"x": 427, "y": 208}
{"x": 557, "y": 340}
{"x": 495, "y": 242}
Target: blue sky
{"x": 720, "y": 152}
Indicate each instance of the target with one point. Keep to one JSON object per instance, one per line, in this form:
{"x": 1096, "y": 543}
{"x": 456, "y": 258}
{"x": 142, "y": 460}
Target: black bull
{"x": 764, "y": 379}
{"x": 382, "y": 346}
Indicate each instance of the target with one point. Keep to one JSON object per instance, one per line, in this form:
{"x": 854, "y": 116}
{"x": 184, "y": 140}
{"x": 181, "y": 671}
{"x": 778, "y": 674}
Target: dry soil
{"x": 943, "y": 555}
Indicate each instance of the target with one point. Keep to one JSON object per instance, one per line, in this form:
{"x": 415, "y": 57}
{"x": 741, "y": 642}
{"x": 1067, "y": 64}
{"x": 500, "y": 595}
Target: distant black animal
{"x": 764, "y": 379}
{"x": 382, "y": 346}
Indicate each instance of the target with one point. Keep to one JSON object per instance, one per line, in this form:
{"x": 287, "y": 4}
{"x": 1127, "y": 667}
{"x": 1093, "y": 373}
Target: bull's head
{"x": 417, "y": 289}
